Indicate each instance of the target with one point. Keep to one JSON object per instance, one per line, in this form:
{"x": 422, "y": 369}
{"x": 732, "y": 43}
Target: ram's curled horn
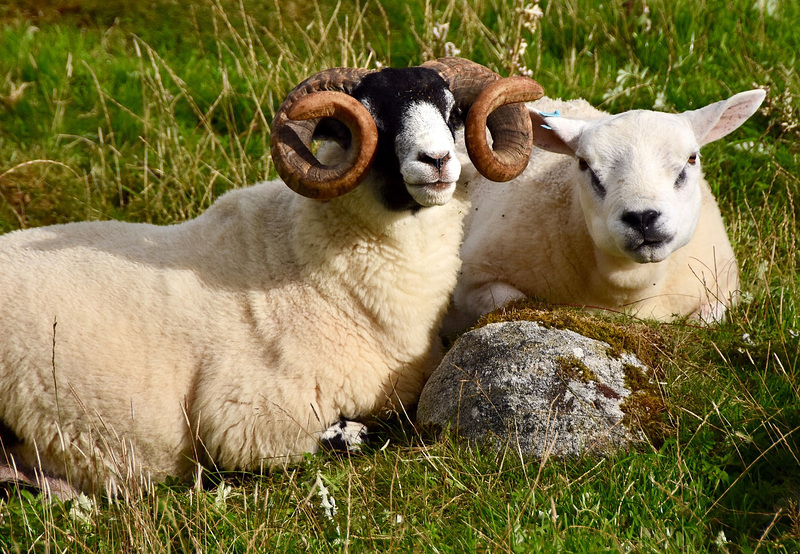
{"x": 494, "y": 102}
{"x": 325, "y": 94}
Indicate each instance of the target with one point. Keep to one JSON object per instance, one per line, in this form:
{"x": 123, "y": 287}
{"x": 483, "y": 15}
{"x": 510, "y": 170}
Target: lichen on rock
{"x": 547, "y": 390}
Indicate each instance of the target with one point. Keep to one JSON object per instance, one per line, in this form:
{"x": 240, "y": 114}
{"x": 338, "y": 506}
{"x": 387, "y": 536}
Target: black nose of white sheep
{"x": 646, "y": 224}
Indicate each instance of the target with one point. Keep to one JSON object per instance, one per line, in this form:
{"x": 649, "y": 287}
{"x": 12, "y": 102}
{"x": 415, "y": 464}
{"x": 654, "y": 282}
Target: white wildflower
{"x": 530, "y": 15}
{"x": 450, "y": 49}
{"x": 542, "y": 515}
{"x": 660, "y": 102}
{"x": 223, "y": 492}
{"x": 81, "y": 510}
{"x": 440, "y": 31}
{"x": 327, "y": 502}
{"x": 770, "y": 7}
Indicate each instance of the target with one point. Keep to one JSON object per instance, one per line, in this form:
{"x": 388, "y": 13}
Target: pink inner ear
{"x": 556, "y": 134}
{"x": 717, "y": 120}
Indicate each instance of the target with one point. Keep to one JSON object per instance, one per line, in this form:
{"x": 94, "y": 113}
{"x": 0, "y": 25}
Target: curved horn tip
{"x": 500, "y": 107}
{"x": 298, "y": 166}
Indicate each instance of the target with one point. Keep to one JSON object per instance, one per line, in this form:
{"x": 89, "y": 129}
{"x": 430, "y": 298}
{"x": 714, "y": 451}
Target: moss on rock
{"x": 572, "y": 368}
{"x": 645, "y": 408}
{"x": 622, "y": 333}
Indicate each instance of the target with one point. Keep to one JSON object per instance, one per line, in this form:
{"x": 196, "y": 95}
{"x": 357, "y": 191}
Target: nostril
{"x": 640, "y": 220}
{"x": 435, "y": 160}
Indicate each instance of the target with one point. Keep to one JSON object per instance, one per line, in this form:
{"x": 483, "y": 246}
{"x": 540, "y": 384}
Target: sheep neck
{"x": 418, "y": 253}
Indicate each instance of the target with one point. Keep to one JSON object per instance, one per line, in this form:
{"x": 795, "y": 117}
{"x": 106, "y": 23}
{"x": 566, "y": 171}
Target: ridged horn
{"x": 325, "y": 94}
{"x": 494, "y": 102}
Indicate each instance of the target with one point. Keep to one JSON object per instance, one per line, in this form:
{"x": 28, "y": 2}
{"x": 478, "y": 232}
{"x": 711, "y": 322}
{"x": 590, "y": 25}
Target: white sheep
{"x": 132, "y": 352}
{"x": 612, "y": 212}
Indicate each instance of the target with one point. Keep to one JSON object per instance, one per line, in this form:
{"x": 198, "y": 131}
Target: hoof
{"x": 344, "y": 436}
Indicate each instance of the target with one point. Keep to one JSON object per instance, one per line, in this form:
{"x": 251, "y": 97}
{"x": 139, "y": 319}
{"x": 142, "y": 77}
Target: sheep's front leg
{"x": 345, "y": 436}
{"x": 12, "y": 476}
{"x": 711, "y": 313}
{"x": 469, "y": 304}
{"x": 489, "y": 297}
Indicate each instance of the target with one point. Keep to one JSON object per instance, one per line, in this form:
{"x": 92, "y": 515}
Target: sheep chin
{"x": 431, "y": 194}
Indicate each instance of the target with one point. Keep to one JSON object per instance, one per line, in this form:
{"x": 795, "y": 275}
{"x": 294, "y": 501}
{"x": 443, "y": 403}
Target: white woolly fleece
{"x": 237, "y": 337}
{"x": 561, "y": 231}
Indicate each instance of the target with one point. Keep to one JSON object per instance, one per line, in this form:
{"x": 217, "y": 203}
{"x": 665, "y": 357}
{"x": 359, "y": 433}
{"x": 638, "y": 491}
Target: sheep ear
{"x": 717, "y": 120}
{"x": 555, "y": 133}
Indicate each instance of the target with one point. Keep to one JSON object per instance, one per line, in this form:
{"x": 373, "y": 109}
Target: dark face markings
{"x": 388, "y": 95}
{"x": 596, "y": 184}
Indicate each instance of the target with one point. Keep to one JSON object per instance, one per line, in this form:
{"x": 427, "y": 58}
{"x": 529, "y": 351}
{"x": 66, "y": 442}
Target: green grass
{"x": 149, "y": 112}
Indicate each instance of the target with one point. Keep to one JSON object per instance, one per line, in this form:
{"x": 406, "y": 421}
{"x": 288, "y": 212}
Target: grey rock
{"x": 549, "y": 391}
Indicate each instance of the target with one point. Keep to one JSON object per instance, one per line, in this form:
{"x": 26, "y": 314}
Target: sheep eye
{"x": 692, "y": 160}
{"x": 681, "y": 178}
{"x": 454, "y": 120}
{"x": 598, "y": 187}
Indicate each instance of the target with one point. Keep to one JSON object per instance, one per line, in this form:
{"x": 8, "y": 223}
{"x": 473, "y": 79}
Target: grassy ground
{"x": 115, "y": 110}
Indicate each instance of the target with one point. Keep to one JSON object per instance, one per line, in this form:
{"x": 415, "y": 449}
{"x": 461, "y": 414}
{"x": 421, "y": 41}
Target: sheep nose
{"x": 435, "y": 160}
{"x": 641, "y": 221}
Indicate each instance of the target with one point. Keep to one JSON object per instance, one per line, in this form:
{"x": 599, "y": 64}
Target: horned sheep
{"x": 612, "y": 212}
{"x": 132, "y": 352}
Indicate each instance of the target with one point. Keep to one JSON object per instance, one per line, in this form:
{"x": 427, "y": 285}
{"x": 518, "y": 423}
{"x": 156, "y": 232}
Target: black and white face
{"x": 426, "y": 151}
{"x": 416, "y": 116}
